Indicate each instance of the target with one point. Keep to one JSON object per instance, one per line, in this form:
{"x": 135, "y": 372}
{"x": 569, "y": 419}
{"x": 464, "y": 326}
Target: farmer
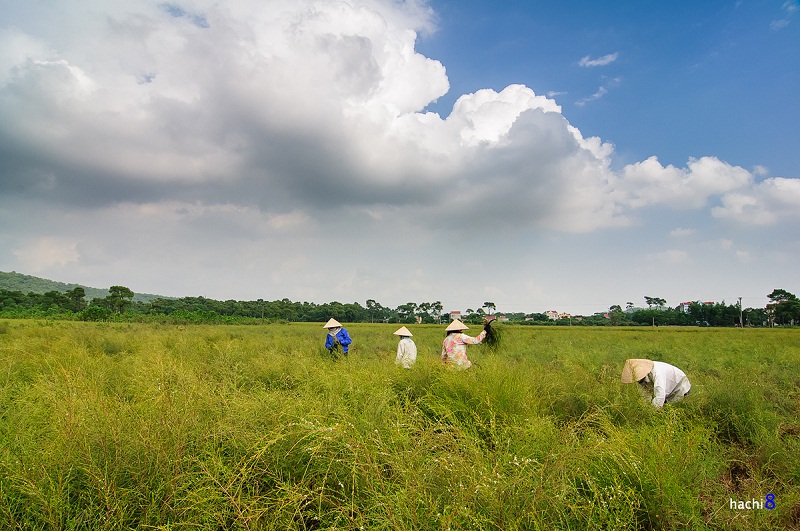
{"x": 662, "y": 381}
{"x": 454, "y": 346}
{"x": 337, "y": 337}
{"x": 406, "y": 349}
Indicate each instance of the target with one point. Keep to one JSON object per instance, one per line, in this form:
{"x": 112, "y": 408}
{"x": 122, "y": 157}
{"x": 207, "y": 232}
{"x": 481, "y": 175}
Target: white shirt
{"x": 406, "y": 353}
{"x": 667, "y": 380}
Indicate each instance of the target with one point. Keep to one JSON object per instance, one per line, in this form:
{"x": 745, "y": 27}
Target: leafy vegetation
{"x": 28, "y": 284}
{"x": 148, "y": 426}
{"x": 120, "y": 303}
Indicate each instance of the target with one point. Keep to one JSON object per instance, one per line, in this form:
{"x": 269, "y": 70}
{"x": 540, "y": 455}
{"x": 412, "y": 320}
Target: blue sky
{"x": 688, "y": 78}
{"x": 561, "y": 156}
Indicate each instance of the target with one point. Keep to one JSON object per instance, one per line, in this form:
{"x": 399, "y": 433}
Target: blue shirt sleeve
{"x": 344, "y": 337}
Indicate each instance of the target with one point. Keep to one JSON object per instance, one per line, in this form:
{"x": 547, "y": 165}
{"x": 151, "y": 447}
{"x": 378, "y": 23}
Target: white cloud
{"x": 682, "y": 233}
{"x": 649, "y": 183}
{"x": 47, "y": 252}
{"x": 600, "y": 61}
{"x": 283, "y": 143}
{"x": 789, "y": 8}
{"x": 602, "y": 91}
{"x": 670, "y": 257}
{"x": 764, "y": 203}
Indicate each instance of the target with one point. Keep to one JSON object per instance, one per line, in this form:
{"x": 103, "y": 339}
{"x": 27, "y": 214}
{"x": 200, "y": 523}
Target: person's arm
{"x": 659, "y": 388}
{"x": 328, "y": 341}
{"x": 473, "y": 340}
{"x": 344, "y": 337}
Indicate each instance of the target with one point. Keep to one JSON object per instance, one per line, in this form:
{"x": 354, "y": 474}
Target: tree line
{"x": 783, "y": 309}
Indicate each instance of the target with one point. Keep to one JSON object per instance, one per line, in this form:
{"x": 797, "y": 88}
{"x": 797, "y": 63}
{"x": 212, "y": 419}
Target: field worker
{"x": 662, "y": 381}
{"x": 454, "y": 346}
{"x": 406, "y": 349}
{"x": 337, "y": 337}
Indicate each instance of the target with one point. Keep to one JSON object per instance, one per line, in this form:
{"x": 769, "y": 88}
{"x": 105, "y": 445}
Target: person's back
{"x": 670, "y": 384}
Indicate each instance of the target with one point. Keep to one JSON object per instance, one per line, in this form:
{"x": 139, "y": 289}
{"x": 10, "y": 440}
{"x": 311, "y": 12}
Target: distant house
{"x": 555, "y": 316}
{"x": 455, "y": 315}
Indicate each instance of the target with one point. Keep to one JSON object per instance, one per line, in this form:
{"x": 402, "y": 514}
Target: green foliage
{"x": 67, "y": 301}
{"x": 26, "y": 284}
{"x": 115, "y": 425}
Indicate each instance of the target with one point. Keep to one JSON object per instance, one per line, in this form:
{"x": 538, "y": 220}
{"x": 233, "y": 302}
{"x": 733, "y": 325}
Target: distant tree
{"x": 654, "y": 301}
{"x": 490, "y": 307}
{"x": 478, "y": 316}
{"x": 77, "y": 296}
{"x": 95, "y": 313}
{"x": 425, "y": 309}
{"x": 119, "y": 298}
{"x": 615, "y": 314}
{"x": 372, "y": 307}
{"x": 781, "y": 295}
{"x": 406, "y": 312}
{"x": 436, "y": 309}
{"x": 784, "y": 307}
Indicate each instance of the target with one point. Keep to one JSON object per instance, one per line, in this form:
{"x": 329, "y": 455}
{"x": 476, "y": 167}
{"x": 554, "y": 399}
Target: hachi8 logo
{"x": 767, "y": 503}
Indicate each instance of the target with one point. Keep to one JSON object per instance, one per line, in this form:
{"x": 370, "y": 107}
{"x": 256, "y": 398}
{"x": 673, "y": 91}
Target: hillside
{"x": 14, "y": 281}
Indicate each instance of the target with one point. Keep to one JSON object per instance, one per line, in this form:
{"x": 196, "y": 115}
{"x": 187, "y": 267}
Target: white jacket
{"x": 670, "y": 383}
{"x": 406, "y": 353}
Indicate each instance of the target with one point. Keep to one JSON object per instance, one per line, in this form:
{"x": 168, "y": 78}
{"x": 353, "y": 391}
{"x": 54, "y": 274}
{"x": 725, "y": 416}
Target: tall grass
{"x": 143, "y": 426}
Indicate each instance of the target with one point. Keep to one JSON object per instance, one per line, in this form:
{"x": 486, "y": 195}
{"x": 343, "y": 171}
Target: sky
{"x": 564, "y": 156}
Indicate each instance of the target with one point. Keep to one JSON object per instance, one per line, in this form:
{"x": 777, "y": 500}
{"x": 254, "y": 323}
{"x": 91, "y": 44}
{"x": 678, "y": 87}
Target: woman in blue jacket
{"x": 337, "y": 337}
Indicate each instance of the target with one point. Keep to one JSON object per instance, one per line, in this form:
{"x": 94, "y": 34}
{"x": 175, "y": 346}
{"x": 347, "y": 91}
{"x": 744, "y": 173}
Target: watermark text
{"x": 748, "y": 505}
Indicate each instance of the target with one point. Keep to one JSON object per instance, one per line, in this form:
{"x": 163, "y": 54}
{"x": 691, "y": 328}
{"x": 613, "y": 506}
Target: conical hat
{"x": 332, "y": 323}
{"x": 456, "y": 325}
{"x": 403, "y": 331}
{"x": 636, "y": 369}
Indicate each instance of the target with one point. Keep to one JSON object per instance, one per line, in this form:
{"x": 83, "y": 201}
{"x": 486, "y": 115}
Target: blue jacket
{"x": 342, "y": 337}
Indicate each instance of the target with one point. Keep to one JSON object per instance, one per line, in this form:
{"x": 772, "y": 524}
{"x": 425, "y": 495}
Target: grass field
{"x": 129, "y": 426}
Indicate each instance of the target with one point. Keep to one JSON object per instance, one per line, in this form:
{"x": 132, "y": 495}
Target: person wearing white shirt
{"x": 406, "y": 349}
{"x": 664, "y": 382}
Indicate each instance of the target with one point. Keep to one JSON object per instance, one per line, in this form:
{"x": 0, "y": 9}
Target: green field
{"x": 131, "y": 426}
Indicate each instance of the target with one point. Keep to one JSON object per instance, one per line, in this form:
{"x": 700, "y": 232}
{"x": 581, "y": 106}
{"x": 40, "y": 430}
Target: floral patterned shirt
{"x": 454, "y": 348}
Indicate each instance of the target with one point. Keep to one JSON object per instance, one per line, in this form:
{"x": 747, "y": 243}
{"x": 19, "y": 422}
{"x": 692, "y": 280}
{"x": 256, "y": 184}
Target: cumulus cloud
{"x": 261, "y": 130}
{"x": 650, "y": 183}
{"x": 300, "y": 107}
{"x": 765, "y": 203}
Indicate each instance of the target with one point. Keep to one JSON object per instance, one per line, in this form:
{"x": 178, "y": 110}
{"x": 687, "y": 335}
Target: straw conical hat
{"x": 456, "y": 325}
{"x": 635, "y": 369}
{"x": 332, "y": 323}
{"x": 403, "y": 331}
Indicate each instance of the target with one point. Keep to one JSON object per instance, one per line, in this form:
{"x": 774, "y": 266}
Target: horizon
{"x": 445, "y": 312}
